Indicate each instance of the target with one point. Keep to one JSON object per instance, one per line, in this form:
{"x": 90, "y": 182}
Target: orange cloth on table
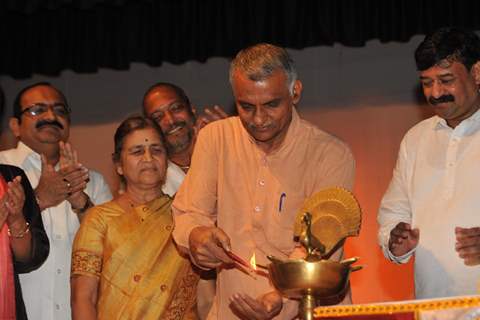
{"x": 254, "y": 196}
{"x": 7, "y": 286}
{"x": 141, "y": 273}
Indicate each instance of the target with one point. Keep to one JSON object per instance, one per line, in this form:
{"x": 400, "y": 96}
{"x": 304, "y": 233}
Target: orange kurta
{"x": 254, "y": 196}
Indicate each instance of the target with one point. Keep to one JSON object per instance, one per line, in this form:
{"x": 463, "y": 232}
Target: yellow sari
{"x": 141, "y": 273}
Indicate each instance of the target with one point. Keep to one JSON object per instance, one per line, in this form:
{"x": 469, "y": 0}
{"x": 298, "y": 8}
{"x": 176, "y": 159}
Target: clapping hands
{"x": 11, "y": 204}
{"x": 66, "y": 183}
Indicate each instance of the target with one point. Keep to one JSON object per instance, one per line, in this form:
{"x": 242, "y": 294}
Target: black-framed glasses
{"x": 58, "y": 109}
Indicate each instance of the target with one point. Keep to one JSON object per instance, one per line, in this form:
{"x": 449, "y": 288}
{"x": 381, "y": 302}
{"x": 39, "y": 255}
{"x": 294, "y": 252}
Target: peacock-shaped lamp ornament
{"x": 321, "y": 226}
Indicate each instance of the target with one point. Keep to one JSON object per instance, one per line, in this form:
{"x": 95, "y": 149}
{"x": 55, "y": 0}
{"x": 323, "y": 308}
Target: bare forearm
{"x": 83, "y": 309}
{"x": 81, "y": 206}
{"x": 22, "y": 247}
{"x": 20, "y": 240}
{"x": 84, "y": 297}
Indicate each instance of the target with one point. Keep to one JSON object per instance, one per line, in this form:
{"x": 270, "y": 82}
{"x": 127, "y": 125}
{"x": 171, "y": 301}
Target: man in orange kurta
{"x": 248, "y": 177}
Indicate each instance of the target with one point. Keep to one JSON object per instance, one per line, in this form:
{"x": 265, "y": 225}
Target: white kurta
{"x": 173, "y": 179}
{"x": 436, "y": 187}
{"x": 46, "y": 291}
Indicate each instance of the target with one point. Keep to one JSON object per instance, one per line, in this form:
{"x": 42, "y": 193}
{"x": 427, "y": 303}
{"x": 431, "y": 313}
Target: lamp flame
{"x": 253, "y": 262}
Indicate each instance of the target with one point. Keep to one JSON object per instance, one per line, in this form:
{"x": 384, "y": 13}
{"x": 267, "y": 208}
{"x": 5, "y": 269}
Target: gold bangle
{"x": 21, "y": 234}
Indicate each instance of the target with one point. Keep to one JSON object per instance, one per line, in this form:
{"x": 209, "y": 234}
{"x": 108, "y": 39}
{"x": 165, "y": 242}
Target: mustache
{"x": 175, "y": 125}
{"x": 255, "y": 127}
{"x": 43, "y": 123}
{"x": 441, "y": 99}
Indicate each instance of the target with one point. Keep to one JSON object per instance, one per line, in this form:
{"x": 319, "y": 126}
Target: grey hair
{"x": 258, "y": 62}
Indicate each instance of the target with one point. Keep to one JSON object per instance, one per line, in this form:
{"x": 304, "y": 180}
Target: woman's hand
{"x": 11, "y": 205}
{"x": 3, "y": 212}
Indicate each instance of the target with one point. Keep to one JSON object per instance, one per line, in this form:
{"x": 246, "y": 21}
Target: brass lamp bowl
{"x": 323, "y": 278}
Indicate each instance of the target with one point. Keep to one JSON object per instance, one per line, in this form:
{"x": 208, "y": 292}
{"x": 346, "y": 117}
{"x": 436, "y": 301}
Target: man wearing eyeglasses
{"x": 64, "y": 189}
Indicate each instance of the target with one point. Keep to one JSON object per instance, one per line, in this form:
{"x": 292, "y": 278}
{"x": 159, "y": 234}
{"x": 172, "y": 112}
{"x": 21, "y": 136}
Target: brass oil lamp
{"x": 322, "y": 225}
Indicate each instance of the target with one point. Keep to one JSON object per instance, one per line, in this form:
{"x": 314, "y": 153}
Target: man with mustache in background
{"x": 64, "y": 189}
{"x": 431, "y": 208}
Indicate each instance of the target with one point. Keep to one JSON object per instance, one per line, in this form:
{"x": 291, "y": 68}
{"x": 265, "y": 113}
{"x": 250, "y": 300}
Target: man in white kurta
{"x": 41, "y": 120}
{"x": 432, "y": 206}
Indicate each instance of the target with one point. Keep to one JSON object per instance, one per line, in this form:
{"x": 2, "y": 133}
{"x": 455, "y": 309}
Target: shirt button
{"x": 58, "y": 237}
{"x": 163, "y": 287}
{"x": 145, "y": 209}
{"x": 57, "y": 306}
{"x": 257, "y": 209}
{"x": 59, "y": 271}
{"x": 137, "y": 277}
{"x": 168, "y": 228}
{"x": 261, "y": 182}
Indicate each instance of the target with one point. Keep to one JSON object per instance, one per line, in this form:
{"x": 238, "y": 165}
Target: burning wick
{"x": 242, "y": 265}
{"x": 253, "y": 262}
{"x": 255, "y": 267}
{"x": 249, "y": 268}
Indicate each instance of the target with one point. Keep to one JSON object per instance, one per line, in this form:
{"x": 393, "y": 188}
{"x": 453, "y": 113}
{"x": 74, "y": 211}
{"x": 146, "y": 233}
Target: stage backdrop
{"x": 367, "y": 96}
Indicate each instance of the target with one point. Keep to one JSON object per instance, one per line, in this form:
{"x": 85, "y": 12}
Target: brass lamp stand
{"x": 322, "y": 225}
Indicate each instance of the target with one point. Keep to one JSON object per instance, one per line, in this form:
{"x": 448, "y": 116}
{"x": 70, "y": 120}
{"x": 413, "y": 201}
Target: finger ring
{"x": 68, "y": 185}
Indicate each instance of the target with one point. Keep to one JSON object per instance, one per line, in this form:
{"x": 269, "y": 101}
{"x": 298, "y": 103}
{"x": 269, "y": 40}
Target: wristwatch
{"x": 87, "y": 205}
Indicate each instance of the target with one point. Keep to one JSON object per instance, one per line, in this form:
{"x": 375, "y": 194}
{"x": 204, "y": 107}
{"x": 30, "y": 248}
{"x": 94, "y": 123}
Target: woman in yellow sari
{"x": 124, "y": 262}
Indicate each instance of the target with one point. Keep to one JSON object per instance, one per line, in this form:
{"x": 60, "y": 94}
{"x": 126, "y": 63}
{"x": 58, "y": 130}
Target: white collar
{"x": 23, "y": 152}
{"x": 470, "y": 122}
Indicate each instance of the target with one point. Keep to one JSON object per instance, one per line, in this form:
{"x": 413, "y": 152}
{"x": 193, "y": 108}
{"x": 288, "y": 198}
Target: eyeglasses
{"x": 58, "y": 109}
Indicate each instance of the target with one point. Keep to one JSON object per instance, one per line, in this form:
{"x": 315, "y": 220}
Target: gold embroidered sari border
{"x": 185, "y": 296}
{"x": 86, "y": 262}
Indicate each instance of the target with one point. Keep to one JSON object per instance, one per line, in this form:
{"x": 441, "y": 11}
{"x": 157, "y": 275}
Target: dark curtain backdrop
{"x": 48, "y": 36}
